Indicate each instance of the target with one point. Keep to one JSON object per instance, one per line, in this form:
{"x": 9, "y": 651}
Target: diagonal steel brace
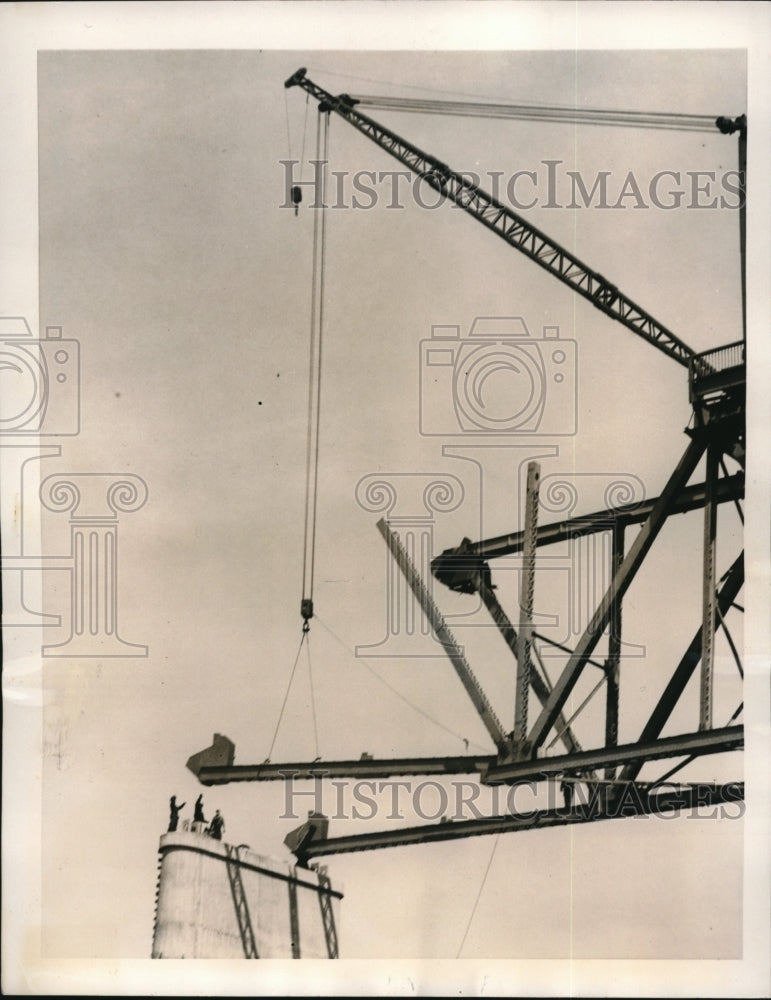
{"x": 445, "y": 637}
{"x": 618, "y": 587}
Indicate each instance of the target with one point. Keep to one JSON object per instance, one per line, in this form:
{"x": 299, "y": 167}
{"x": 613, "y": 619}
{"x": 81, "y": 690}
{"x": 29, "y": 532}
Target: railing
{"x": 717, "y": 370}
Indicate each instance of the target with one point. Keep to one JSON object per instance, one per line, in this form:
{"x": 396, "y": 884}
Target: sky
{"x": 165, "y": 251}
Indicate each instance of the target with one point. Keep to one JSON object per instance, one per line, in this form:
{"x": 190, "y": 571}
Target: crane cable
{"x": 286, "y": 695}
{"x": 314, "y": 377}
{"x": 304, "y": 638}
{"x": 314, "y": 403}
{"x": 305, "y": 130}
{"x": 361, "y": 659}
{"x": 541, "y": 113}
{"x": 313, "y": 696}
{"x": 479, "y": 894}
{"x": 485, "y": 101}
{"x": 289, "y": 131}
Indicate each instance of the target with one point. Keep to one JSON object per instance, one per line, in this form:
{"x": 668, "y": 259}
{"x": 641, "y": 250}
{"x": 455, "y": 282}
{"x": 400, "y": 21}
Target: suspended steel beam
{"x": 445, "y": 637}
{"x": 636, "y": 802}
{"x": 220, "y": 774}
{"x": 730, "y": 488}
{"x": 694, "y": 744}
{"x": 511, "y": 227}
{"x": 731, "y": 585}
{"x": 527, "y": 586}
{"x": 618, "y": 587}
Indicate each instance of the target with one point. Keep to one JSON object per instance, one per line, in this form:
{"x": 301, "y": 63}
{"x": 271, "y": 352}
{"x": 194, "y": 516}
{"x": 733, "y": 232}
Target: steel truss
{"x": 716, "y": 385}
{"x": 464, "y": 570}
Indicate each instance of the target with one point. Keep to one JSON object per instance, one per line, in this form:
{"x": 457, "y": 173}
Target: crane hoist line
{"x": 505, "y": 222}
{"x": 314, "y": 385}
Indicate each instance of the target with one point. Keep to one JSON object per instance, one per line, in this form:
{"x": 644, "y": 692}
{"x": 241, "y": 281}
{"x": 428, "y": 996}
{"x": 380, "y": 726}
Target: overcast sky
{"x": 165, "y": 251}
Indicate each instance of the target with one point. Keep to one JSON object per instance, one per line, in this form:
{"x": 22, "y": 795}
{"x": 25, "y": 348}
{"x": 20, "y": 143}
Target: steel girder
{"x": 525, "y": 636}
{"x": 612, "y": 674}
{"x": 691, "y": 744}
{"x": 445, "y": 637}
{"x": 636, "y": 801}
{"x": 367, "y": 767}
{"x": 489, "y": 767}
{"x": 689, "y": 498}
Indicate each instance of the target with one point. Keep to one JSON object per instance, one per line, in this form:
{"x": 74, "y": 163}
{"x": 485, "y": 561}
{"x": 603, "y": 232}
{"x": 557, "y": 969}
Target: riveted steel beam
{"x": 730, "y": 488}
{"x": 446, "y": 638}
{"x": 637, "y": 801}
{"x": 364, "y": 768}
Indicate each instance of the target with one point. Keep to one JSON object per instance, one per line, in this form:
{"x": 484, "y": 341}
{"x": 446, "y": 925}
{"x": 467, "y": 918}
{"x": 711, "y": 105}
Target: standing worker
{"x": 216, "y": 826}
{"x": 198, "y": 816}
{"x": 174, "y": 811}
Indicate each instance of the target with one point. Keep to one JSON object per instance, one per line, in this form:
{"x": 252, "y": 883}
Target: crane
{"x": 716, "y": 392}
{"x": 505, "y": 222}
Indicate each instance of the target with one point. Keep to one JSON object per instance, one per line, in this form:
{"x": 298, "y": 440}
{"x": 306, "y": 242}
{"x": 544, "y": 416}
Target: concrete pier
{"x": 219, "y": 901}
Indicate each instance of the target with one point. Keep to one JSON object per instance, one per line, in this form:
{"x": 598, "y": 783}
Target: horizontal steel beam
{"x": 694, "y": 744}
{"x": 634, "y": 801}
{"x": 691, "y": 744}
{"x": 365, "y": 768}
{"x": 690, "y": 498}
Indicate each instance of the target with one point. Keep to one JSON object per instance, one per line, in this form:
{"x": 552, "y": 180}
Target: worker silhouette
{"x": 216, "y": 826}
{"x": 174, "y": 811}
{"x": 198, "y": 816}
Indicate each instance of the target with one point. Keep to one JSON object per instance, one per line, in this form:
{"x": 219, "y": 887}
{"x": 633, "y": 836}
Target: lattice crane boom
{"x": 505, "y": 222}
